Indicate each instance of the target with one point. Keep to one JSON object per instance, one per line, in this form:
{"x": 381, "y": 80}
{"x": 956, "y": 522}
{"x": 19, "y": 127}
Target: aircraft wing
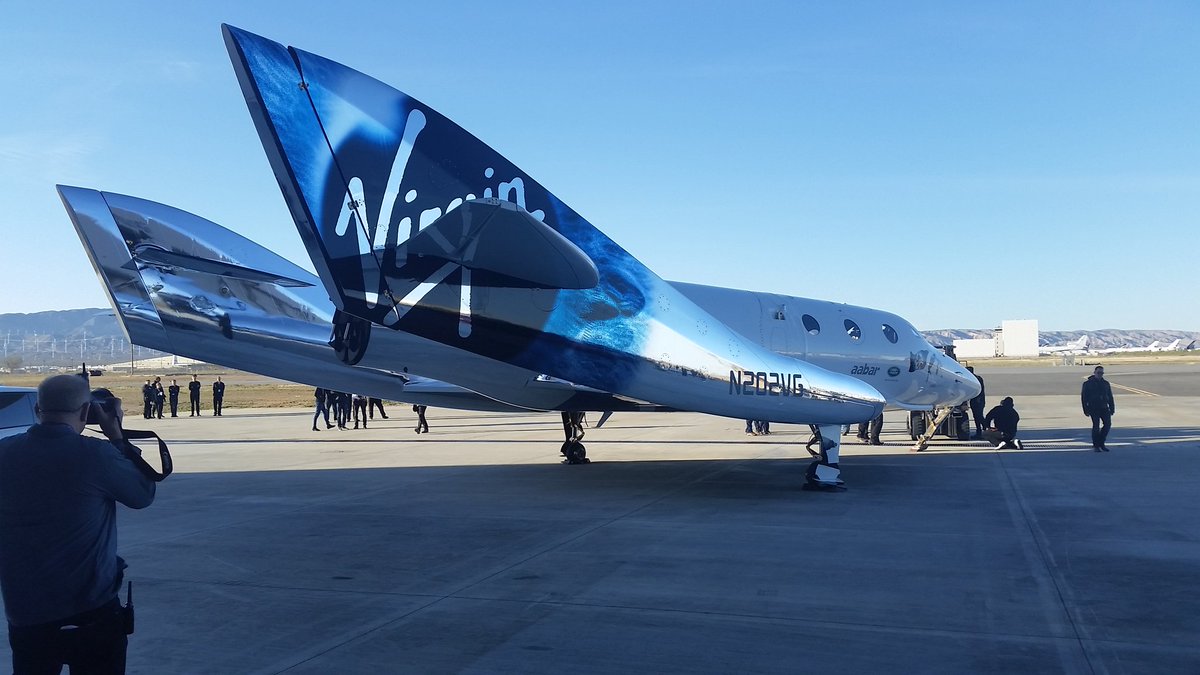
{"x": 393, "y": 202}
{"x": 185, "y": 285}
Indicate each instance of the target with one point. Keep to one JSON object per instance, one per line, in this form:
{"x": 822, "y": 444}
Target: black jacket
{"x": 1005, "y": 418}
{"x": 1097, "y": 397}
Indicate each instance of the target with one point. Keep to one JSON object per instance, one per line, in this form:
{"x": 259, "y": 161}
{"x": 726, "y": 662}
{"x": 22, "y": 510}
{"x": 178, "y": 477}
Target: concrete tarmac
{"x": 685, "y": 547}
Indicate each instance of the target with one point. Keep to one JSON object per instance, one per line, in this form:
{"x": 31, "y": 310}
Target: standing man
{"x": 372, "y": 402}
{"x": 59, "y": 569}
{"x": 148, "y": 399}
{"x": 194, "y": 395}
{"x": 160, "y": 397}
{"x": 1098, "y": 404}
{"x": 977, "y": 405}
{"x": 173, "y": 392}
{"x": 360, "y": 405}
{"x": 218, "y": 396}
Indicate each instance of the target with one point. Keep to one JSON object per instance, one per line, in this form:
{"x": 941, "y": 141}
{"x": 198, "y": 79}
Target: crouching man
{"x": 1001, "y": 423}
{"x": 59, "y": 570}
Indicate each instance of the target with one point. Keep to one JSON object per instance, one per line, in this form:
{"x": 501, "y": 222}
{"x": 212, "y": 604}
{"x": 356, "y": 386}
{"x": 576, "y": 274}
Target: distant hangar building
{"x": 1014, "y": 338}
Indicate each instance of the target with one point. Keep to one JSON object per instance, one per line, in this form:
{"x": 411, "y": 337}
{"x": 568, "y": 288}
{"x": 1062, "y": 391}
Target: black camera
{"x": 105, "y": 399}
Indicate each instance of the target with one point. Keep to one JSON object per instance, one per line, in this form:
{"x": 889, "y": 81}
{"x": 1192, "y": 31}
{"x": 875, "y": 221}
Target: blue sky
{"x": 955, "y": 163}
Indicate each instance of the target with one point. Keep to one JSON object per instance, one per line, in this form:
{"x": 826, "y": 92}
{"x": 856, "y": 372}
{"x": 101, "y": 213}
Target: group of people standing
{"x": 344, "y": 406}
{"x": 154, "y": 396}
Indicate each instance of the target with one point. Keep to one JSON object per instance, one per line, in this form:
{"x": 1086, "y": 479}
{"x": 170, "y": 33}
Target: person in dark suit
{"x": 977, "y": 405}
{"x": 218, "y": 396}
{"x": 148, "y": 400}
{"x": 160, "y": 397}
{"x": 173, "y": 396}
{"x": 194, "y": 395}
{"x": 1098, "y": 404}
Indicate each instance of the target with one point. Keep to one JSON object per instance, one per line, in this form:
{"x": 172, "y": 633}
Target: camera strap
{"x": 129, "y": 450}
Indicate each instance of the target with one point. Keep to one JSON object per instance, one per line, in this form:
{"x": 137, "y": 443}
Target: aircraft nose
{"x": 965, "y": 385}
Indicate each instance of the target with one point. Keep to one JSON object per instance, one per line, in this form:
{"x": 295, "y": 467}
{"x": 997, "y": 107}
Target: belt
{"x": 76, "y": 620}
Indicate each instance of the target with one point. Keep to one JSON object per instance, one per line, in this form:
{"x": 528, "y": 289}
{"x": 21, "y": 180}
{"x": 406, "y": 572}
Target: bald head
{"x": 62, "y": 397}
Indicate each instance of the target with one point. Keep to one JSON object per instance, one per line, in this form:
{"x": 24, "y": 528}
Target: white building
{"x": 1015, "y": 338}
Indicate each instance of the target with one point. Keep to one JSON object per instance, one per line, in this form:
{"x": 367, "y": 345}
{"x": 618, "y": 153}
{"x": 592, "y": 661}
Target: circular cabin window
{"x": 811, "y": 325}
{"x": 853, "y": 330}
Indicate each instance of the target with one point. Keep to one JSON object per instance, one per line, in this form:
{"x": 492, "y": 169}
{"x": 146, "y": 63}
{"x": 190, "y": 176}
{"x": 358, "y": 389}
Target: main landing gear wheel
{"x": 574, "y": 452}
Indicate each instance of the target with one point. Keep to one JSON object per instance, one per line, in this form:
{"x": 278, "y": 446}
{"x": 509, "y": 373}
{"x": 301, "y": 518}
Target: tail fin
{"x": 386, "y": 191}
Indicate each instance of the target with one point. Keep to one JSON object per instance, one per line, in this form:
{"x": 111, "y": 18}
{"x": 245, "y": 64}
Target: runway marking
{"x": 1143, "y": 392}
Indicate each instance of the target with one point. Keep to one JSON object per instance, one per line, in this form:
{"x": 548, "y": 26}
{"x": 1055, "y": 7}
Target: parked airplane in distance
{"x": 438, "y": 257}
{"x": 1074, "y": 347}
{"x": 1155, "y": 346}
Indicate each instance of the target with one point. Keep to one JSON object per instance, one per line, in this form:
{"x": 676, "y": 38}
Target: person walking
{"x": 977, "y": 405}
{"x": 422, "y": 425}
{"x": 194, "y": 395}
{"x": 372, "y": 402}
{"x": 60, "y": 574}
{"x": 173, "y": 396}
{"x": 321, "y": 395}
{"x": 218, "y": 396}
{"x": 1098, "y": 404}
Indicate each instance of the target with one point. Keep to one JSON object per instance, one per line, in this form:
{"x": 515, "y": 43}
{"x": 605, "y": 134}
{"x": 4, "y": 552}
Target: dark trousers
{"x": 91, "y": 643}
{"x": 870, "y": 429}
{"x": 217, "y": 401}
{"x": 422, "y": 425}
{"x": 174, "y": 406}
{"x": 158, "y": 406}
{"x": 977, "y": 413}
{"x": 360, "y": 406}
{"x": 148, "y": 408}
{"x": 195, "y": 405}
{"x": 377, "y": 402}
{"x": 317, "y": 415}
{"x": 1100, "y": 434}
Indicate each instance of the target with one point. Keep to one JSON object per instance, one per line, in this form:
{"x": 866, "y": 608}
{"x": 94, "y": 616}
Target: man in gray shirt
{"x": 59, "y": 569}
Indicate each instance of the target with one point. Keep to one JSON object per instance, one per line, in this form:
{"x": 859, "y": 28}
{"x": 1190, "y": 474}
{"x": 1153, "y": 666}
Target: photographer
{"x": 59, "y": 569}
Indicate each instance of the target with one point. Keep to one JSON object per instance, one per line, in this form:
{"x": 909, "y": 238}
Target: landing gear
{"x": 572, "y": 449}
{"x": 824, "y": 474}
{"x": 929, "y": 429}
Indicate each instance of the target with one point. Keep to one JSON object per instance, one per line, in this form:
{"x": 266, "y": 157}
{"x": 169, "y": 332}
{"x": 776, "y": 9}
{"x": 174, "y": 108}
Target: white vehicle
{"x": 16, "y": 410}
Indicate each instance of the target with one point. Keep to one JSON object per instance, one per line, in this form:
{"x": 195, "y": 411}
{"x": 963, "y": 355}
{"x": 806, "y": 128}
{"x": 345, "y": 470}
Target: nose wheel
{"x": 572, "y": 449}
{"x": 575, "y": 453}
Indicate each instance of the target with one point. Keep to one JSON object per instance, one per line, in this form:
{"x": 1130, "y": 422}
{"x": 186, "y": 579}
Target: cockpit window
{"x": 890, "y": 334}
{"x": 853, "y": 330}
{"x": 811, "y": 325}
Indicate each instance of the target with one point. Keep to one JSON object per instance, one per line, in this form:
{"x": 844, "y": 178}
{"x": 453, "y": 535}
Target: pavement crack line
{"x": 331, "y": 644}
{"x": 1037, "y": 551}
